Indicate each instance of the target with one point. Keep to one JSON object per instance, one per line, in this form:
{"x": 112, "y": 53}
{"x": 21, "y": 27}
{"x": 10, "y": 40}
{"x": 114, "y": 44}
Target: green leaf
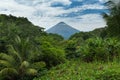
{"x": 8, "y": 71}
{"x": 24, "y": 64}
{"x": 31, "y": 72}
{"x": 38, "y": 65}
{"x": 6, "y": 57}
{"x": 5, "y": 63}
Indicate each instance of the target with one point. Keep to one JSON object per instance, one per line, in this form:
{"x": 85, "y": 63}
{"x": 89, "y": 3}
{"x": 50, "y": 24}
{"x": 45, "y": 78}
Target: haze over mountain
{"x": 63, "y": 29}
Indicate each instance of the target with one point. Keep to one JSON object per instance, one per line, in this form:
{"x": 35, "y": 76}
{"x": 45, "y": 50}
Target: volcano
{"x": 63, "y": 29}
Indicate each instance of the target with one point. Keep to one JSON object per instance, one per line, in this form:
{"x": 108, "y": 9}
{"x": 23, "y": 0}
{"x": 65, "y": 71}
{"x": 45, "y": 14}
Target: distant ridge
{"x": 63, "y": 29}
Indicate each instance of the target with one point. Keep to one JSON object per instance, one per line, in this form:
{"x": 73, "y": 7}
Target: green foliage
{"x": 17, "y": 61}
{"x": 51, "y": 55}
{"x": 56, "y": 37}
{"x": 70, "y": 49}
{"x": 53, "y": 39}
{"x": 27, "y": 48}
{"x": 38, "y": 65}
{"x": 8, "y": 74}
{"x": 82, "y": 36}
{"x": 108, "y": 75}
{"x": 26, "y": 51}
{"x": 3, "y": 47}
{"x": 113, "y": 24}
{"x": 51, "y": 52}
{"x": 94, "y": 49}
{"x": 11, "y": 26}
{"x": 77, "y": 70}
{"x": 77, "y": 40}
{"x": 100, "y": 49}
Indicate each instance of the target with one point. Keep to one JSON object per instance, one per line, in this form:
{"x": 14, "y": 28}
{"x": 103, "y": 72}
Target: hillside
{"x": 11, "y": 26}
{"x": 76, "y": 70}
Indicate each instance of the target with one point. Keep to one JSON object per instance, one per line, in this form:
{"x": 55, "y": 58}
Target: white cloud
{"x": 85, "y": 7}
{"x": 93, "y": 6}
{"x": 11, "y": 7}
{"x": 64, "y": 2}
{"x": 41, "y": 13}
{"x": 89, "y": 22}
{"x": 103, "y": 1}
{"x": 78, "y": 0}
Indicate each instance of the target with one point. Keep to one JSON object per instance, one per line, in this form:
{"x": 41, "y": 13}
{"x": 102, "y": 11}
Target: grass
{"x": 77, "y": 70}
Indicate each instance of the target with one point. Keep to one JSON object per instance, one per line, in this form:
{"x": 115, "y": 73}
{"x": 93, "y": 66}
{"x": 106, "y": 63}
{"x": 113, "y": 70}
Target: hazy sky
{"x": 84, "y": 15}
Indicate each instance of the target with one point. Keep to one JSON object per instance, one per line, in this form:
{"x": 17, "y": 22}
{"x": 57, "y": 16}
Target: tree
{"x": 113, "y": 19}
{"x": 16, "y": 64}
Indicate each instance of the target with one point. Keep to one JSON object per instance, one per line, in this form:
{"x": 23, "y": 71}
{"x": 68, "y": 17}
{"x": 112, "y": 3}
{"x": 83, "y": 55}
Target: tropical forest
{"x": 28, "y": 52}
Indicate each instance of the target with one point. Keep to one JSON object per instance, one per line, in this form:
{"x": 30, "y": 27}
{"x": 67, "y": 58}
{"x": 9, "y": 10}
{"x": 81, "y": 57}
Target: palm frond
{"x": 5, "y": 63}
{"x": 31, "y": 72}
{"x": 8, "y": 71}
{"x": 7, "y": 57}
{"x": 24, "y": 64}
{"x": 27, "y": 40}
{"x": 38, "y": 65}
{"x": 14, "y": 53}
{"x": 17, "y": 39}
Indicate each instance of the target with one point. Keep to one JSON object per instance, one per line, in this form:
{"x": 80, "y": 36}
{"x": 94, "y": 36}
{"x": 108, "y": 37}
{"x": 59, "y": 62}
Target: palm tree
{"x": 113, "y": 18}
{"x": 16, "y": 64}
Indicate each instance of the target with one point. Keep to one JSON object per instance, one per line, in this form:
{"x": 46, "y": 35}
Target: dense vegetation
{"x": 26, "y": 49}
{"x": 77, "y": 70}
{"x": 27, "y": 52}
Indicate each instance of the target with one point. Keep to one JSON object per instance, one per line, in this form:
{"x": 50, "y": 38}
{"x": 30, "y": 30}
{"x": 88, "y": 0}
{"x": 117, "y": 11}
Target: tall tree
{"x": 113, "y": 19}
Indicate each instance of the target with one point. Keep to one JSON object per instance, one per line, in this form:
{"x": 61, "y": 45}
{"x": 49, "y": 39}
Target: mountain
{"x": 63, "y": 29}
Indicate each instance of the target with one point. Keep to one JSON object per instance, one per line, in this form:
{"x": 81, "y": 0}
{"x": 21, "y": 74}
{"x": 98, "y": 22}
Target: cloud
{"x": 64, "y": 2}
{"x": 40, "y": 12}
{"x": 88, "y": 22}
{"x": 103, "y": 1}
{"x": 11, "y": 7}
{"x": 77, "y": 0}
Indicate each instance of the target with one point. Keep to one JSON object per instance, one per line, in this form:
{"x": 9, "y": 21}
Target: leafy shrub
{"x": 92, "y": 50}
{"x": 113, "y": 47}
{"x": 108, "y": 75}
{"x": 100, "y": 49}
{"x": 70, "y": 49}
{"x": 38, "y": 65}
{"x": 51, "y": 56}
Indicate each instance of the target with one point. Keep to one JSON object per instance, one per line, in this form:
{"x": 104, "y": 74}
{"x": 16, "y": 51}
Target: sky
{"x": 84, "y": 15}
